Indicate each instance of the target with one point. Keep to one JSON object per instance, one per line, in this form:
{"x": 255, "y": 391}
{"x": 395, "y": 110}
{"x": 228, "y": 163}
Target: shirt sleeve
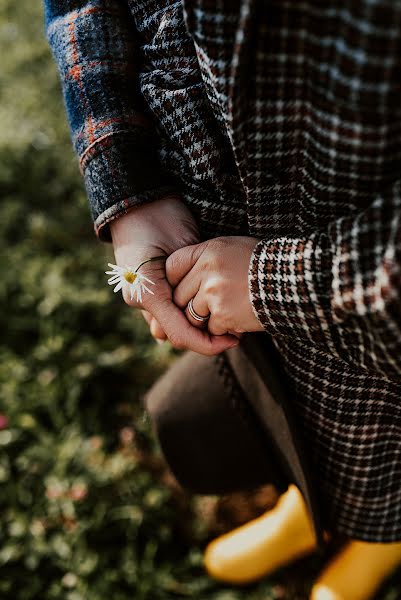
{"x": 96, "y": 50}
{"x": 340, "y": 288}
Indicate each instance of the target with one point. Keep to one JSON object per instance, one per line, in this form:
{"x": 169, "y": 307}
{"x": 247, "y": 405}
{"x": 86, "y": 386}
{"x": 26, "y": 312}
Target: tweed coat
{"x": 280, "y": 120}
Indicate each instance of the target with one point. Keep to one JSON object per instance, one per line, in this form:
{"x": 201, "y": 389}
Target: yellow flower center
{"x": 130, "y": 276}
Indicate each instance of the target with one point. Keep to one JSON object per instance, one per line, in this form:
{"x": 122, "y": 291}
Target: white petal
{"x": 115, "y": 278}
{"x": 116, "y": 267}
{"x": 147, "y": 279}
{"x": 147, "y": 289}
{"x": 113, "y": 272}
{"x": 139, "y": 293}
{"x": 118, "y": 287}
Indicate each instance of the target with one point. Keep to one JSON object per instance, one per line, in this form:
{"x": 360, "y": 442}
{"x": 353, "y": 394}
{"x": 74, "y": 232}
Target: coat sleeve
{"x": 96, "y": 50}
{"x": 340, "y": 288}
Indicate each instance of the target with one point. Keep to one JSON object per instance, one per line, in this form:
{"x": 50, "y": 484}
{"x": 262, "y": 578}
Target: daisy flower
{"x": 129, "y": 277}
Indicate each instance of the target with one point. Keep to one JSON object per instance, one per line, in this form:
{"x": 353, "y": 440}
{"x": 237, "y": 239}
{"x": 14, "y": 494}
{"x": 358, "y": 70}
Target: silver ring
{"x": 194, "y": 314}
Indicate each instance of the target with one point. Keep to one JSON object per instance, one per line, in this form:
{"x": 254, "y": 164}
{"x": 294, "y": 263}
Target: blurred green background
{"x": 87, "y": 509}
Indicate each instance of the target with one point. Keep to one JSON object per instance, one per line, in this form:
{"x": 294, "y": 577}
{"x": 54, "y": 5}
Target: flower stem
{"x": 153, "y": 259}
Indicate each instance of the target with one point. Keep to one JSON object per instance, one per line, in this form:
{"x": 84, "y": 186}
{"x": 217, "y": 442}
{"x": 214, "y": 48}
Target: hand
{"x": 154, "y": 229}
{"x": 215, "y": 275}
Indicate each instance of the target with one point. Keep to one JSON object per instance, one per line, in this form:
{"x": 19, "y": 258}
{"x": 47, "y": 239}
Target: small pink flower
{"x": 3, "y": 422}
{"x": 127, "y": 436}
{"x": 78, "y": 492}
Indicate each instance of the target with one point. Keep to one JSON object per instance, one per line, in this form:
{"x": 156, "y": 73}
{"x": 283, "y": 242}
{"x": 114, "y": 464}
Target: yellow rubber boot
{"x": 263, "y": 545}
{"x": 357, "y": 572}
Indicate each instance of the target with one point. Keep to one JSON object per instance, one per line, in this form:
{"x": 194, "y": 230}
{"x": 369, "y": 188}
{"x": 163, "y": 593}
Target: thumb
{"x": 180, "y": 262}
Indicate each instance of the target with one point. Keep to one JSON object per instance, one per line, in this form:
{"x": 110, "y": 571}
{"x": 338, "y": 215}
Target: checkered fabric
{"x": 280, "y": 120}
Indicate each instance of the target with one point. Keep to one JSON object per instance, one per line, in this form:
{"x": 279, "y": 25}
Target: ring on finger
{"x": 194, "y": 314}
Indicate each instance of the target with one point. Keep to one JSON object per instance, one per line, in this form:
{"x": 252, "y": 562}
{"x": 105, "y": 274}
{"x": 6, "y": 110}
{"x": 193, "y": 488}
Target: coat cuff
{"x": 120, "y": 171}
{"x": 289, "y": 282}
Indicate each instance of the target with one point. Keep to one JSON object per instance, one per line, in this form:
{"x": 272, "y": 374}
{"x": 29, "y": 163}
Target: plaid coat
{"x": 280, "y": 120}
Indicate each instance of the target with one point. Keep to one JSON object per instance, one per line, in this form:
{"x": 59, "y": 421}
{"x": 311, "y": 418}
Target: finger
{"x": 156, "y": 330}
{"x": 215, "y": 327}
{"x": 147, "y": 316}
{"x": 180, "y": 262}
{"x": 178, "y": 329}
{"x": 154, "y": 275}
{"x": 187, "y": 288}
{"x": 184, "y": 336}
{"x": 200, "y": 307}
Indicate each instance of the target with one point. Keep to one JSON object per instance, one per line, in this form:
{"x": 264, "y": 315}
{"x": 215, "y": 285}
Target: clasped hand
{"x": 213, "y": 273}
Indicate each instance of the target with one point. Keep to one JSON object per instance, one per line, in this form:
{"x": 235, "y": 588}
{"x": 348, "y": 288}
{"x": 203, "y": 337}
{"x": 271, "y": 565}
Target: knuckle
{"x": 212, "y": 286}
{"x": 218, "y": 310}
